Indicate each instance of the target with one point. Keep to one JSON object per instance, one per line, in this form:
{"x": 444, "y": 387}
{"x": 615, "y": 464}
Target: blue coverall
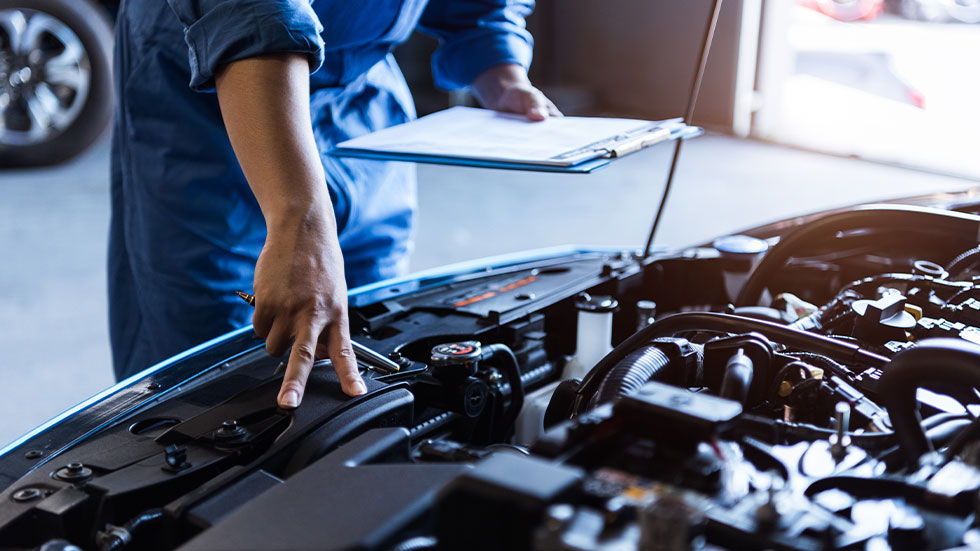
{"x": 186, "y": 230}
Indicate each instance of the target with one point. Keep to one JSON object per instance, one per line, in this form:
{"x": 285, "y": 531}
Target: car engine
{"x": 807, "y": 385}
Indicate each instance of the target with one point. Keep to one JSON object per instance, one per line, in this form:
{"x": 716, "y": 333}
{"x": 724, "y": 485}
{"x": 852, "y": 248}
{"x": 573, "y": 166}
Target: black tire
{"x": 90, "y": 117}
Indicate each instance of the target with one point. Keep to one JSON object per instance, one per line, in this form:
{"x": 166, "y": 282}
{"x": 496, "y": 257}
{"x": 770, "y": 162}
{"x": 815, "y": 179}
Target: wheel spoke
{"x": 38, "y": 25}
{"x": 58, "y": 114}
{"x": 40, "y": 115}
{"x": 13, "y": 23}
{"x": 53, "y": 77}
{"x": 65, "y": 69}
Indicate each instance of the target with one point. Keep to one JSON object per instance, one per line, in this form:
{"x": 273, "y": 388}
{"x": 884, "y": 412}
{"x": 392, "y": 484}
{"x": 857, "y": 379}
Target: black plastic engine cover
{"x": 341, "y": 502}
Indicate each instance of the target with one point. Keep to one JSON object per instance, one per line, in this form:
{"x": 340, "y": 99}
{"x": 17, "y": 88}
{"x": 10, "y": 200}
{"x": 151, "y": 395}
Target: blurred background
{"x": 809, "y": 104}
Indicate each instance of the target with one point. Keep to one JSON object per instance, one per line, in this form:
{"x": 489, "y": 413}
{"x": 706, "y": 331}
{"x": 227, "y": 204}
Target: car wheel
{"x": 55, "y": 79}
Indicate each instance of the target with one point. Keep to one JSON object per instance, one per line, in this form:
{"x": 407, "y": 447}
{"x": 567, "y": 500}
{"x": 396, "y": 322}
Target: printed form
{"x": 482, "y": 134}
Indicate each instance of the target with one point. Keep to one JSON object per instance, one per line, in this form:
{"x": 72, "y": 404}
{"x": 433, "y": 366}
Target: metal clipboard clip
{"x": 627, "y": 142}
{"x": 624, "y": 144}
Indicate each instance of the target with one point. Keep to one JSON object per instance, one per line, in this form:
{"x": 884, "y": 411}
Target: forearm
{"x": 265, "y": 105}
{"x": 301, "y": 296}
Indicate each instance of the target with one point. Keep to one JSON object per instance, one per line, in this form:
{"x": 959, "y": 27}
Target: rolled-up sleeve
{"x": 475, "y": 35}
{"x": 218, "y": 32}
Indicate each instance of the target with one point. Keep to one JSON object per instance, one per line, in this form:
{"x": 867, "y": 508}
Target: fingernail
{"x": 290, "y": 399}
{"x": 359, "y": 388}
{"x": 537, "y": 111}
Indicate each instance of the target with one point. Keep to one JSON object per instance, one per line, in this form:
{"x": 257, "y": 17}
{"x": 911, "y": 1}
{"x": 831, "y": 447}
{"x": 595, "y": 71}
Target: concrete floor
{"x": 53, "y": 225}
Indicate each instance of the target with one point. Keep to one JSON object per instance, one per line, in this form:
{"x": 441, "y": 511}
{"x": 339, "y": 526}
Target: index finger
{"x": 298, "y": 368}
{"x": 343, "y": 359}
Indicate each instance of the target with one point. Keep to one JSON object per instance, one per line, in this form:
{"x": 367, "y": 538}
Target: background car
{"x": 55, "y": 78}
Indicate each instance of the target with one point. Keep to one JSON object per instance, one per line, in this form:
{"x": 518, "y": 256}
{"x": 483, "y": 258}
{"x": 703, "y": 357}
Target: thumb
{"x": 535, "y": 108}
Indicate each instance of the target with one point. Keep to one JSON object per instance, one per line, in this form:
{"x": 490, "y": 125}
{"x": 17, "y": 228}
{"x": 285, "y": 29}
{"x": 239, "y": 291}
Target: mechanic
{"x": 233, "y": 190}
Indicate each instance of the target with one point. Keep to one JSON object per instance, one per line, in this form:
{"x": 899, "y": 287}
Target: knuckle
{"x": 304, "y": 351}
{"x": 320, "y": 303}
{"x": 336, "y": 312}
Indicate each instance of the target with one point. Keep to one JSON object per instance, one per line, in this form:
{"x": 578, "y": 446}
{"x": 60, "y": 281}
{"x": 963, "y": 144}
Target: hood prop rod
{"x": 709, "y": 34}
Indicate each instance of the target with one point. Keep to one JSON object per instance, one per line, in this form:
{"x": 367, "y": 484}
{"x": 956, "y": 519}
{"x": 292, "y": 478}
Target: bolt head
{"x": 230, "y": 432}
{"x": 21, "y": 77}
{"x": 26, "y": 494}
{"x": 73, "y": 472}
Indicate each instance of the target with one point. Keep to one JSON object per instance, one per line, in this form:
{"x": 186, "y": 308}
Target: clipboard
{"x": 465, "y": 136}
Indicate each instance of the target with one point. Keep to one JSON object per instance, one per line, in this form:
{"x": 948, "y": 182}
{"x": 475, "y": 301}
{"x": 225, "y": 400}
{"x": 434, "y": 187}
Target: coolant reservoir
{"x": 594, "y": 334}
{"x": 595, "y": 319}
{"x": 740, "y": 254}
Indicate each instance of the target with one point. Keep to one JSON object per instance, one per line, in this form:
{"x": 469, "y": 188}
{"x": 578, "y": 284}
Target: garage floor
{"x": 53, "y": 226}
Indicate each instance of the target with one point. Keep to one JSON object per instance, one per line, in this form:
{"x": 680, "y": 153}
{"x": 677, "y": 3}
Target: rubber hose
{"x": 114, "y": 543}
{"x": 638, "y": 367}
{"x": 961, "y": 438}
{"x": 939, "y": 434}
{"x": 739, "y": 372}
{"x": 888, "y": 217}
{"x": 932, "y": 361}
{"x": 726, "y": 323}
{"x": 512, "y": 372}
{"x": 967, "y": 259}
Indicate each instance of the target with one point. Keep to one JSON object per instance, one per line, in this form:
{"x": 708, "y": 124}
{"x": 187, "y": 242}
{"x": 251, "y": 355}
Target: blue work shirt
{"x": 186, "y": 230}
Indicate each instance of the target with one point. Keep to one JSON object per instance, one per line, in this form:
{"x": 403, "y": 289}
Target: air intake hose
{"x": 638, "y": 367}
{"x": 935, "y": 361}
{"x": 663, "y": 360}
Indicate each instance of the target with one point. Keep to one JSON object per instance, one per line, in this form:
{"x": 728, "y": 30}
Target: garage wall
{"x": 637, "y": 57}
{"x": 632, "y": 58}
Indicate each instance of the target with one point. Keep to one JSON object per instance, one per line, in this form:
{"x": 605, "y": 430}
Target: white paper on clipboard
{"x": 484, "y": 135}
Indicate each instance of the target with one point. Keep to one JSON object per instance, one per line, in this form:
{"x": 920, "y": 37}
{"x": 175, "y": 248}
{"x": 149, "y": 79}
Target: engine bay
{"x": 809, "y": 385}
